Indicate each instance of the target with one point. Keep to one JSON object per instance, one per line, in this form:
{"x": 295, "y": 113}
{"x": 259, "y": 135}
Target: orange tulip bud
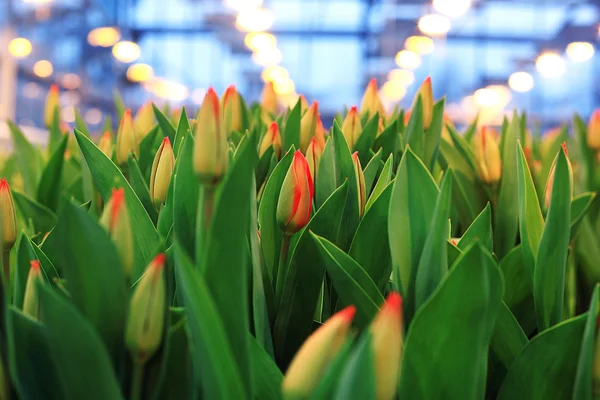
{"x": 106, "y": 144}
{"x": 316, "y": 354}
{"x": 211, "y": 157}
{"x": 269, "y": 101}
{"x": 31, "y": 302}
{"x": 52, "y": 103}
{"x": 426, "y": 93}
{"x": 360, "y": 184}
{"x": 115, "y": 219}
{"x": 593, "y": 131}
{"x": 487, "y": 156}
{"x": 162, "y": 169}
{"x": 313, "y": 157}
{"x": 320, "y": 131}
{"x": 371, "y": 103}
{"x": 126, "y": 139}
{"x": 550, "y": 181}
{"x": 143, "y": 121}
{"x": 271, "y": 139}
{"x": 352, "y": 128}
{"x": 296, "y": 196}
{"x": 9, "y": 219}
{"x": 387, "y": 342}
{"x": 308, "y": 126}
{"x": 232, "y": 111}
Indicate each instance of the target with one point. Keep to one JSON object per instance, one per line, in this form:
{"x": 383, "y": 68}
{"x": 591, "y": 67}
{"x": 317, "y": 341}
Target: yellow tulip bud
{"x": 487, "y": 156}
{"x": 52, "y": 103}
{"x": 143, "y": 121}
{"x": 271, "y": 139}
{"x": 426, "y": 93}
{"x": 106, "y": 144}
{"x": 115, "y": 219}
{"x": 313, "y": 157}
{"x": 232, "y": 111}
{"x": 593, "y": 131}
{"x": 320, "y": 132}
{"x": 303, "y": 104}
{"x": 9, "y": 219}
{"x": 269, "y": 101}
{"x": 308, "y": 126}
{"x": 162, "y": 169}
{"x": 31, "y": 302}
{"x": 371, "y": 103}
{"x": 352, "y": 128}
{"x": 126, "y": 139}
{"x": 360, "y": 184}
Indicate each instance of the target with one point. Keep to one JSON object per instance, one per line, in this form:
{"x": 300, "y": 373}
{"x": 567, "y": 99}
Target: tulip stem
{"x": 206, "y": 203}
{"x": 136, "y": 381}
{"x": 282, "y": 268}
{"x": 209, "y": 204}
{"x": 6, "y": 266}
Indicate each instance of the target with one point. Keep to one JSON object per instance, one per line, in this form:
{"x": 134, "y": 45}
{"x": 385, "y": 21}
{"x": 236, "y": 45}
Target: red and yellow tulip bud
{"x": 31, "y": 302}
{"x": 313, "y": 157}
{"x": 303, "y": 104}
{"x": 308, "y": 126}
{"x": 271, "y": 139}
{"x": 106, "y": 144}
{"x": 487, "y": 156}
{"x": 143, "y": 121}
{"x": 146, "y": 317}
{"x": 550, "y": 181}
{"x": 387, "y": 342}
{"x": 593, "y": 131}
{"x": 126, "y": 139}
{"x": 426, "y": 93}
{"x": 296, "y": 196}
{"x": 269, "y": 101}
{"x": 232, "y": 111}
{"x": 360, "y": 184}
{"x": 52, "y": 103}
{"x": 115, "y": 219}
{"x": 9, "y": 218}
{"x": 371, "y": 103}
{"x": 352, "y": 128}
{"x": 211, "y": 157}
{"x": 162, "y": 169}
{"x": 316, "y": 354}
{"x": 320, "y": 132}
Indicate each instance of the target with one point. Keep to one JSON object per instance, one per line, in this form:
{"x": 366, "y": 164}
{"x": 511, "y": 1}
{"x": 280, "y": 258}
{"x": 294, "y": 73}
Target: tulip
{"x": 271, "y": 139}
{"x": 269, "y": 101}
{"x": 303, "y": 104}
{"x": 126, "y": 139}
{"x": 316, "y": 354}
{"x": 320, "y": 131}
{"x": 487, "y": 155}
{"x": 9, "y": 219}
{"x": 106, "y": 144}
{"x": 143, "y": 121}
{"x": 313, "y": 157}
{"x": 146, "y": 317}
{"x": 308, "y": 126}
{"x": 52, "y": 104}
{"x": 371, "y": 103}
{"x": 295, "y": 200}
{"x": 426, "y": 93}
{"x": 211, "y": 156}
{"x": 360, "y": 184}
{"x": 352, "y": 128}
{"x": 387, "y": 343}
{"x": 232, "y": 111}
{"x": 550, "y": 181}
{"x": 31, "y": 302}
{"x": 548, "y": 139}
{"x": 115, "y": 219}
{"x": 593, "y": 131}
{"x": 162, "y": 169}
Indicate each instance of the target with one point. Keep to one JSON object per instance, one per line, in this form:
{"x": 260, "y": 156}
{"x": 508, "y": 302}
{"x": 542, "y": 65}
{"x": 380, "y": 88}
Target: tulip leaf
{"x": 164, "y": 122}
{"x": 358, "y": 379}
{"x": 351, "y": 282}
{"x": 382, "y": 183}
{"x": 262, "y": 168}
{"x": 434, "y": 134}
{"x": 449, "y": 362}
{"x": 544, "y": 370}
{"x": 138, "y": 184}
{"x": 550, "y": 266}
{"x": 214, "y": 365}
{"x": 455, "y": 159}
{"x": 35, "y": 214}
{"x": 291, "y": 130}
{"x": 371, "y": 171}
{"x": 267, "y": 377}
{"x": 579, "y": 207}
{"x": 328, "y": 383}
{"x": 480, "y": 229}
{"x": 366, "y": 140}
{"x": 585, "y": 365}
{"x": 108, "y": 176}
{"x": 517, "y": 294}
{"x": 588, "y": 156}
{"x": 415, "y": 131}
{"x": 28, "y": 159}
{"x": 183, "y": 127}
{"x": 54, "y": 132}
{"x": 148, "y": 147}
{"x": 389, "y": 141}
{"x": 82, "y": 362}
{"x": 325, "y": 181}
{"x": 508, "y": 339}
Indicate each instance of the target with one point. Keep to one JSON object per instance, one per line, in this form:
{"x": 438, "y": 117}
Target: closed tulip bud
{"x": 115, "y": 219}
{"x": 52, "y": 103}
{"x": 371, "y": 103}
{"x": 550, "y": 181}
{"x": 320, "y": 132}
{"x": 303, "y": 104}
{"x": 9, "y": 219}
{"x": 31, "y": 302}
{"x": 296, "y": 196}
{"x": 106, "y": 144}
{"x": 387, "y": 342}
{"x": 211, "y": 157}
{"x": 162, "y": 169}
{"x": 308, "y": 126}
{"x": 269, "y": 101}
{"x": 487, "y": 155}
{"x": 143, "y": 121}
{"x": 146, "y": 317}
{"x": 126, "y": 139}
{"x": 232, "y": 111}
{"x": 593, "y": 131}
{"x": 316, "y": 354}
{"x": 360, "y": 184}
{"x": 426, "y": 93}
{"x": 352, "y": 128}
{"x": 313, "y": 157}
{"x": 271, "y": 139}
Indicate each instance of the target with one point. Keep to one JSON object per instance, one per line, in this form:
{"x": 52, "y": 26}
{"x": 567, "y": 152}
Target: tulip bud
{"x": 352, "y": 127}
{"x": 360, "y": 184}
{"x": 593, "y": 131}
{"x": 387, "y": 342}
{"x": 269, "y": 101}
{"x": 550, "y": 181}
{"x": 162, "y": 169}
{"x": 313, "y": 157}
{"x": 316, "y": 354}
{"x": 320, "y": 132}
{"x": 115, "y": 219}
{"x": 126, "y": 139}
{"x": 143, "y": 121}
{"x": 9, "y": 219}
{"x": 211, "y": 156}
{"x": 271, "y": 139}
{"x": 31, "y": 302}
{"x": 296, "y": 196}
{"x": 146, "y": 317}
{"x": 303, "y": 104}
{"x": 426, "y": 93}
{"x": 308, "y": 126}
{"x": 106, "y": 144}
{"x": 371, "y": 103}
{"x": 548, "y": 140}
{"x": 52, "y": 103}
{"x": 232, "y": 111}
{"x": 487, "y": 155}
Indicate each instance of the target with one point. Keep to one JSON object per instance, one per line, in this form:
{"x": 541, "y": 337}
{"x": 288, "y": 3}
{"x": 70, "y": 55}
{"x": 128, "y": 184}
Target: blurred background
{"x": 486, "y": 56}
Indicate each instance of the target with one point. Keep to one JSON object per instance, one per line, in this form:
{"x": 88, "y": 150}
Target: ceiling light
{"x": 521, "y": 82}
{"x": 434, "y": 25}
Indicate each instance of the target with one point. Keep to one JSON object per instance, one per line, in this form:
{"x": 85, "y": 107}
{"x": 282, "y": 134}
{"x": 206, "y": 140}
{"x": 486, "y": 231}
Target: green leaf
{"x": 164, "y": 123}
{"x": 351, "y": 282}
{"x": 54, "y": 132}
{"x": 588, "y": 157}
{"x": 119, "y": 104}
{"x": 434, "y": 134}
{"x": 80, "y": 123}
{"x": 213, "y": 359}
{"x": 389, "y": 140}
{"x": 371, "y": 170}
{"x": 325, "y": 182}
{"x": 39, "y": 216}
{"x": 384, "y": 179}
{"x": 138, "y": 184}
{"x": 148, "y": 148}
{"x": 262, "y": 168}
{"x": 267, "y": 377}
{"x": 551, "y": 262}
{"x": 480, "y": 229}
{"x": 328, "y": 383}
{"x": 508, "y": 339}
{"x": 82, "y": 362}
{"x": 183, "y": 127}
{"x": 291, "y": 130}
{"x": 517, "y": 294}
{"x": 414, "y": 134}
{"x": 445, "y": 359}
{"x": 585, "y": 365}
{"x": 358, "y": 380}
{"x": 28, "y": 159}
{"x": 366, "y": 140}
{"x": 579, "y": 207}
